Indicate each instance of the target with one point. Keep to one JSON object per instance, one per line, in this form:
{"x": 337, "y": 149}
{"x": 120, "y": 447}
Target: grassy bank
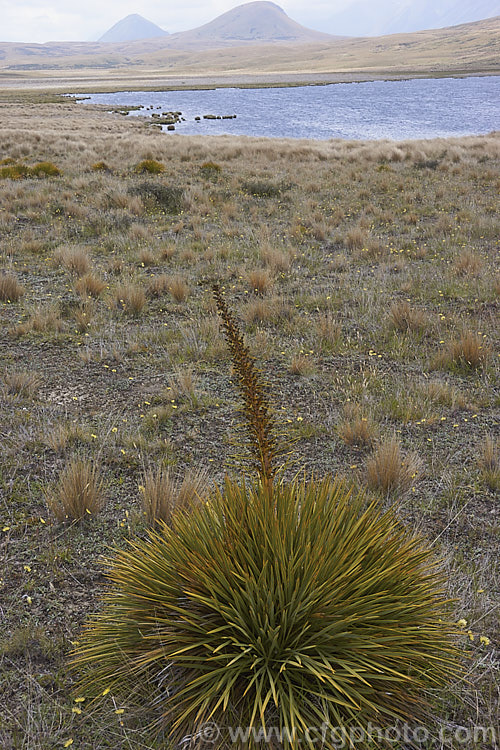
{"x": 366, "y": 279}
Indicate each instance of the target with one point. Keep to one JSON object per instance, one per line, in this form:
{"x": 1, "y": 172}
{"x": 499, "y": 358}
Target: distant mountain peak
{"x": 258, "y": 21}
{"x": 132, "y": 28}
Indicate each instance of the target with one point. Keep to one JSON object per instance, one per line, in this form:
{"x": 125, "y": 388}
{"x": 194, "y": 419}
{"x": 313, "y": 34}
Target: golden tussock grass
{"x": 75, "y": 259}
{"x": 130, "y": 297}
{"x": 178, "y": 289}
{"x": 163, "y": 493}
{"x": 388, "y": 469}
{"x": 21, "y": 384}
{"x": 259, "y": 280}
{"x": 356, "y": 428}
{"x": 79, "y": 492}
{"x": 405, "y": 318}
{"x": 90, "y": 285}
{"x": 10, "y": 289}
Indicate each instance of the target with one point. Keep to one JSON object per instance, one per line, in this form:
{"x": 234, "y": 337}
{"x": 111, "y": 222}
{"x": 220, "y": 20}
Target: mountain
{"x": 366, "y": 18}
{"x": 256, "y": 22}
{"x": 131, "y": 28}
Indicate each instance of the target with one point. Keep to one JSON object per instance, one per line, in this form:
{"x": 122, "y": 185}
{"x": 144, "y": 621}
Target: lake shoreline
{"x": 159, "y": 82}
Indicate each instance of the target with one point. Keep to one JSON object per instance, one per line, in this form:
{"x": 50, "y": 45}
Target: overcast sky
{"x": 85, "y": 20}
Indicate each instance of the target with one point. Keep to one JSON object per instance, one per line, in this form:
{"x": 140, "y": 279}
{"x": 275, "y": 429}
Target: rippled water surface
{"x": 418, "y": 108}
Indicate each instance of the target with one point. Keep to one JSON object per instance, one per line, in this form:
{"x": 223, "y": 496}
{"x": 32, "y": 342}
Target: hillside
{"x": 131, "y": 28}
{"x": 203, "y": 52}
{"x": 254, "y": 22}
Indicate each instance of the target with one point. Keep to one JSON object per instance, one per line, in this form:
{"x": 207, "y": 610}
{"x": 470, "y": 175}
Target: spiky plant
{"x": 262, "y": 448}
{"x": 275, "y": 606}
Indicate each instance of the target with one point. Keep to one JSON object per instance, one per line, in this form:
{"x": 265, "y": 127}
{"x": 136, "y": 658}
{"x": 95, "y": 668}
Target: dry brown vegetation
{"x": 388, "y": 314}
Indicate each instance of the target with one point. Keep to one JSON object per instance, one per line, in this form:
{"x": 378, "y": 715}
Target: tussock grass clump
{"x": 10, "y": 289}
{"x": 328, "y": 331}
{"x": 90, "y": 286}
{"x": 469, "y": 352}
{"x": 79, "y": 493}
{"x": 178, "y": 289}
{"x": 262, "y": 188}
{"x": 147, "y": 257}
{"x": 489, "y": 461}
{"x": 301, "y": 365}
{"x": 356, "y": 238}
{"x": 259, "y": 280}
{"x": 357, "y": 429}
{"x": 149, "y": 166}
{"x": 276, "y": 260}
{"x": 158, "y": 285}
{"x": 468, "y": 264}
{"x": 163, "y": 493}
{"x": 405, "y": 318}
{"x": 21, "y": 384}
{"x": 388, "y": 469}
{"x": 75, "y": 259}
{"x": 130, "y": 298}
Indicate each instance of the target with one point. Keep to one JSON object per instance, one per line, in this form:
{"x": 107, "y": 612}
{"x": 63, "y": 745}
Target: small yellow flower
{"x": 462, "y": 623}
{"x": 114, "y": 429}
{"x": 106, "y": 691}
{"x": 68, "y": 743}
{"x": 484, "y": 639}
{"x": 120, "y": 711}
{"x": 471, "y": 635}
{"x": 76, "y": 710}
{"x": 79, "y": 700}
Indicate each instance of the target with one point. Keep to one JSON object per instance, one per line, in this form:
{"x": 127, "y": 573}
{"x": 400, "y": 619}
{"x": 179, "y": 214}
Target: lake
{"x": 399, "y": 110}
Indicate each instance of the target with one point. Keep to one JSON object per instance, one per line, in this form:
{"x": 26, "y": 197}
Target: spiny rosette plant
{"x": 291, "y": 605}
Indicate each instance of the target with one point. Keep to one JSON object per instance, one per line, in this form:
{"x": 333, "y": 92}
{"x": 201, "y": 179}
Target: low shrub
{"x": 262, "y": 188}
{"x": 45, "y": 169}
{"x": 149, "y": 166}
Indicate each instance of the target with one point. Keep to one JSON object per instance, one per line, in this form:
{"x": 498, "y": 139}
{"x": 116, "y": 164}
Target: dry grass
{"x": 90, "y": 286}
{"x": 158, "y": 286}
{"x": 130, "y": 298}
{"x": 259, "y": 280}
{"x": 79, "y": 493}
{"x": 163, "y": 493}
{"x": 75, "y": 259}
{"x": 21, "y": 384}
{"x": 489, "y": 462}
{"x": 302, "y": 365}
{"x": 388, "y": 469}
{"x": 182, "y": 385}
{"x": 404, "y": 318}
{"x": 328, "y": 331}
{"x": 468, "y": 264}
{"x": 10, "y": 289}
{"x": 178, "y": 288}
{"x": 276, "y": 260}
{"x": 357, "y": 429}
{"x": 469, "y": 352}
